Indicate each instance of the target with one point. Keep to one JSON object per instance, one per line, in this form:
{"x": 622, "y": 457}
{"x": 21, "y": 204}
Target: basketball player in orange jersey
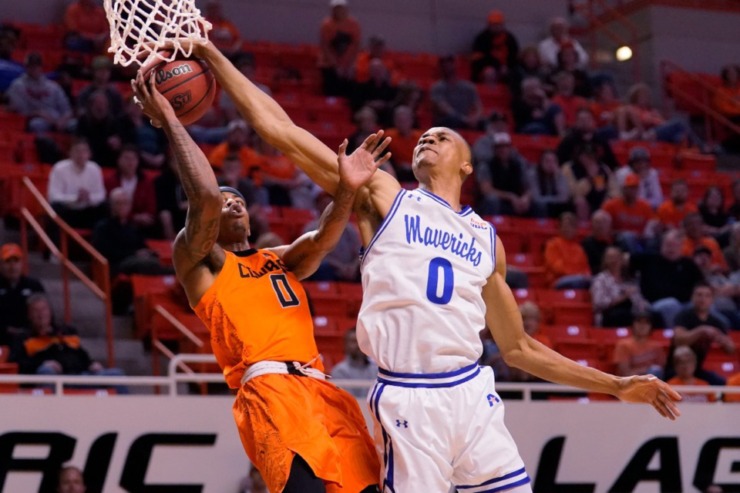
{"x": 433, "y": 276}
{"x": 304, "y": 434}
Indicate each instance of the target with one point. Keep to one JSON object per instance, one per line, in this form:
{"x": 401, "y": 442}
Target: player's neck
{"x": 236, "y": 247}
{"x": 448, "y": 190}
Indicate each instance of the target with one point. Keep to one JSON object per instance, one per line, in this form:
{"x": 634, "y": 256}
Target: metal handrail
{"x": 101, "y": 289}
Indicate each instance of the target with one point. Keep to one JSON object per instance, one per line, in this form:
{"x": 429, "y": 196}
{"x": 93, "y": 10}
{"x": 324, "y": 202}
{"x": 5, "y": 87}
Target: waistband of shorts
{"x": 429, "y": 380}
{"x": 281, "y": 368}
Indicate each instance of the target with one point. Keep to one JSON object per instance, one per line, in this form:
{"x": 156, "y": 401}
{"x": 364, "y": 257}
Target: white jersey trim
{"x": 384, "y": 223}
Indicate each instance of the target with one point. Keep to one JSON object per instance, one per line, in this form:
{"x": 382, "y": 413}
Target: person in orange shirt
{"x": 566, "y": 264}
{"x": 236, "y": 143}
{"x": 339, "y": 43}
{"x": 684, "y": 361}
{"x": 726, "y": 99}
{"x": 225, "y": 35}
{"x": 672, "y": 211}
{"x": 638, "y": 354}
{"x": 87, "y": 26}
{"x": 304, "y": 434}
{"x": 628, "y": 212}
{"x": 375, "y": 51}
{"x": 404, "y": 139}
{"x": 733, "y": 381}
{"x": 570, "y": 103}
{"x": 694, "y": 237}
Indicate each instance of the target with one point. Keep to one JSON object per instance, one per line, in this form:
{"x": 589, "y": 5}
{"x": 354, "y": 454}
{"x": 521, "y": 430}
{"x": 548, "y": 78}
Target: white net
{"x": 147, "y": 31}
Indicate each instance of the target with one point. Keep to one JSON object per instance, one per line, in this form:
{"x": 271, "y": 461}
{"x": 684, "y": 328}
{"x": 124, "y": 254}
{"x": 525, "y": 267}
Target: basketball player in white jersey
{"x": 433, "y": 276}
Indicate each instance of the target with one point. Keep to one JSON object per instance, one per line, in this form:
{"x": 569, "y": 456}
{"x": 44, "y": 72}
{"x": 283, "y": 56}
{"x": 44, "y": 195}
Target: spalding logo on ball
{"x": 189, "y": 86}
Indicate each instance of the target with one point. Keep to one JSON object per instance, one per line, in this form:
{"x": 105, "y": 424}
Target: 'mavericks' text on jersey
{"x": 422, "y": 277}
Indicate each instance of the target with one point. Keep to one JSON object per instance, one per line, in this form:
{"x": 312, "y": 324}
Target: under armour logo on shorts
{"x": 492, "y": 400}
{"x": 400, "y": 423}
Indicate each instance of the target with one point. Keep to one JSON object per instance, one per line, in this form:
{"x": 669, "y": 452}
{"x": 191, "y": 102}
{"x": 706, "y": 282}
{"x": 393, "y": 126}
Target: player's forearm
{"x": 197, "y": 177}
{"x": 334, "y": 220}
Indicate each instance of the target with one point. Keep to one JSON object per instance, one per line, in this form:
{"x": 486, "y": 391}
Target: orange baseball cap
{"x": 495, "y": 17}
{"x": 11, "y": 250}
{"x": 631, "y": 180}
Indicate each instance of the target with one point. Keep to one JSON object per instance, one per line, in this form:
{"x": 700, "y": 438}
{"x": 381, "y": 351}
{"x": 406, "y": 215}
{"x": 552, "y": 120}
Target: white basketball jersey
{"x": 422, "y": 276}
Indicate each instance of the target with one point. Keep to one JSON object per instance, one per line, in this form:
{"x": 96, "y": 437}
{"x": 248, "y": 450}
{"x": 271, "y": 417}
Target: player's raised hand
{"x": 356, "y": 169}
{"x": 649, "y": 389}
{"x": 154, "y": 105}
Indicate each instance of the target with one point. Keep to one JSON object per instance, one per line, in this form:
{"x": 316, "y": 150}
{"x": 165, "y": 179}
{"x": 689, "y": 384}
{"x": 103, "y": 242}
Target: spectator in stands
{"x": 403, "y": 142}
{"x": 667, "y": 279}
{"x": 483, "y": 147}
{"x": 614, "y": 295}
{"x": 503, "y": 182}
{"x": 734, "y": 210}
{"x": 136, "y": 130}
{"x": 602, "y": 236}
{"x": 693, "y": 227}
{"x": 225, "y": 35}
{"x": 732, "y": 381}
{"x": 253, "y": 483}
{"x": 566, "y": 264}
{"x": 76, "y": 189}
{"x": 409, "y": 94}
{"x": 732, "y": 252}
{"x": 232, "y": 175}
{"x": 531, "y": 318}
{"x": 15, "y": 288}
{"x": 377, "y": 92}
{"x": 9, "y": 68}
{"x": 584, "y": 135}
{"x": 86, "y": 25}
{"x": 339, "y": 43}
{"x": 39, "y": 99}
{"x": 639, "y": 120}
{"x": 713, "y": 213}
{"x": 71, "y": 480}
{"x": 726, "y": 101}
{"x": 684, "y": 360}
{"x": 138, "y": 186}
{"x": 101, "y": 73}
{"x": 672, "y": 212}
{"x": 726, "y": 289}
{"x": 99, "y": 127}
{"x": 122, "y": 242}
{"x": 568, "y": 62}
{"x": 172, "y": 204}
{"x": 638, "y": 354}
{"x": 534, "y": 113}
{"x": 494, "y": 49}
{"x": 376, "y": 50}
{"x": 549, "y": 186}
{"x": 639, "y": 164}
{"x": 237, "y": 139}
{"x": 246, "y": 65}
{"x": 528, "y": 65}
{"x": 604, "y": 107}
{"x": 283, "y": 178}
{"x": 455, "y": 102}
{"x": 366, "y": 120}
{"x": 355, "y": 365}
{"x": 342, "y": 263}
{"x": 633, "y": 218}
{"x": 559, "y": 36}
{"x": 566, "y": 99}
{"x": 53, "y": 349}
{"x": 590, "y": 181}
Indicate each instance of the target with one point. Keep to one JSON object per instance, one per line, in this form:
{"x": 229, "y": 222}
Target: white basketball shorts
{"x": 444, "y": 430}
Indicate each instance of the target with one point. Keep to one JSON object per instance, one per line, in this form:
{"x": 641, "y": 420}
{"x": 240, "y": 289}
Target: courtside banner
{"x": 190, "y": 444}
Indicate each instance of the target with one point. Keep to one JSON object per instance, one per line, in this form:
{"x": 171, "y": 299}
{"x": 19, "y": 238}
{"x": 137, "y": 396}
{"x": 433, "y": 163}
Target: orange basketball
{"x": 189, "y": 86}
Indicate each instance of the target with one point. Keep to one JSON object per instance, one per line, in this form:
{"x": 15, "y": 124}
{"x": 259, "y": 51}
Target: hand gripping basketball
{"x": 149, "y": 99}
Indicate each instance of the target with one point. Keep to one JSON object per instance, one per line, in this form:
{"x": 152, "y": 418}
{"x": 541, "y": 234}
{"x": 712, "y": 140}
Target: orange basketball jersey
{"x": 256, "y": 310}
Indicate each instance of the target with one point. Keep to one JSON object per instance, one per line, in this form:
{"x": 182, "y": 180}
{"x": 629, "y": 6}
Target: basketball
{"x": 188, "y": 85}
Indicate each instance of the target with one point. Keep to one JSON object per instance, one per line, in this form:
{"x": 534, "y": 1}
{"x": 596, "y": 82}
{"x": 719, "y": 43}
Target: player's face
{"x": 234, "y": 219}
{"x": 442, "y": 150}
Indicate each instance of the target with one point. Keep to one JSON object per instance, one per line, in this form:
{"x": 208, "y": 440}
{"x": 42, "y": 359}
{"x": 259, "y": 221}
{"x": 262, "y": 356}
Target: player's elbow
{"x": 517, "y": 355}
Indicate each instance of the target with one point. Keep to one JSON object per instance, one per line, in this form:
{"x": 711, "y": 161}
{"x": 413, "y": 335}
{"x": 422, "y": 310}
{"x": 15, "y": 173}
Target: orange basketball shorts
{"x": 280, "y": 415}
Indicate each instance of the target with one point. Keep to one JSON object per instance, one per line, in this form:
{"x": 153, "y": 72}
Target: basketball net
{"x": 140, "y": 30}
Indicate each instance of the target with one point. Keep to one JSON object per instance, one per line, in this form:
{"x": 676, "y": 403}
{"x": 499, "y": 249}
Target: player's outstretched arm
{"x": 271, "y": 122}
{"x": 196, "y": 241}
{"x": 305, "y": 254}
{"x": 521, "y": 351}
